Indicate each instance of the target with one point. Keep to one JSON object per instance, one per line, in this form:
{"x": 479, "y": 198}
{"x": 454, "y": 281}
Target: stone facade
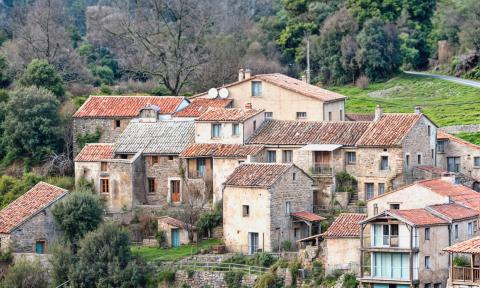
{"x": 167, "y": 169}
{"x": 214, "y": 279}
{"x": 464, "y": 153}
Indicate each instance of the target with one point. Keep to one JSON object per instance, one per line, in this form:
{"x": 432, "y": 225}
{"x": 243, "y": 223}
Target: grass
{"x": 446, "y": 103}
{"x": 473, "y": 137}
{"x": 172, "y": 254}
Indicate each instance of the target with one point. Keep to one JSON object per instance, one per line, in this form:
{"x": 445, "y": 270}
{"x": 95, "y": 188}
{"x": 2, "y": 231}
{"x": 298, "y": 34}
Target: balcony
{"x": 395, "y": 242}
{"x": 322, "y": 169}
{"x": 465, "y": 274}
{"x": 386, "y": 274}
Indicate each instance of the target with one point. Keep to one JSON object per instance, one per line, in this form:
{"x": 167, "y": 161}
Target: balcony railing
{"x": 466, "y": 274}
{"x": 389, "y": 273}
{"x": 390, "y": 241}
{"x": 322, "y": 169}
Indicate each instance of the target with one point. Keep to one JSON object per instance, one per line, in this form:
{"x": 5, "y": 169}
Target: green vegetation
{"x": 26, "y": 274}
{"x": 461, "y": 261}
{"x": 41, "y": 74}
{"x": 234, "y": 278}
{"x": 172, "y": 254}
{"x": 470, "y": 137}
{"x": 166, "y": 276}
{"x": 446, "y": 103}
{"x": 84, "y": 139}
{"x": 258, "y": 259}
{"x": 210, "y": 219}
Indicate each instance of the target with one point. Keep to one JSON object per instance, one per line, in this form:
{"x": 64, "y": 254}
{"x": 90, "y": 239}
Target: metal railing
{"x": 465, "y": 274}
{"x": 215, "y": 266}
{"x": 389, "y": 241}
{"x": 389, "y": 273}
{"x": 322, "y": 169}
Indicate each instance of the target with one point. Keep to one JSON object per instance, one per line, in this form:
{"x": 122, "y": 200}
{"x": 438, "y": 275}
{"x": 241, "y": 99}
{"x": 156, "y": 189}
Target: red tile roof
{"x": 257, "y": 174}
{"x": 436, "y": 170}
{"x": 359, "y": 117}
{"x": 220, "y": 150}
{"x": 175, "y": 222}
{"x": 125, "y": 106}
{"x": 454, "y": 211}
{"x": 445, "y": 136}
{"x": 308, "y": 216}
{"x": 390, "y": 130}
{"x": 346, "y": 225}
{"x": 456, "y": 192}
{"x": 29, "y": 204}
{"x": 95, "y": 152}
{"x": 200, "y": 105}
{"x": 276, "y": 132}
{"x": 228, "y": 114}
{"x": 419, "y": 217}
{"x": 470, "y": 246}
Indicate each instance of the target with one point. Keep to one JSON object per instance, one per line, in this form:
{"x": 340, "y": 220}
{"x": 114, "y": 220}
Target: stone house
{"x": 27, "y": 224}
{"x": 284, "y": 98}
{"x": 266, "y": 206}
{"x": 110, "y": 115}
{"x": 176, "y": 231}
{"x": 403, "y": 247}
{"x": 459, "y": 156}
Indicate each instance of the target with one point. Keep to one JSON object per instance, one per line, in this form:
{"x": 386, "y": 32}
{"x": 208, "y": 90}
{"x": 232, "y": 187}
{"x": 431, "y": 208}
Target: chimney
{"x": 248, "y": 105}
{"x": 448, "y": 177}
{"x": 418, "y": 110}
{"x": 241, "y": 76}
{"x": 248, "y": 73}
{"x": 378, "y": 113}
{"x": 304, "y": 78}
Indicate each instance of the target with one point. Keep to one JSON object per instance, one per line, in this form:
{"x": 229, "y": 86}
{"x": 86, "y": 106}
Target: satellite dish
{"x": 223, "y": 93}
{"x": 212, "y": 93}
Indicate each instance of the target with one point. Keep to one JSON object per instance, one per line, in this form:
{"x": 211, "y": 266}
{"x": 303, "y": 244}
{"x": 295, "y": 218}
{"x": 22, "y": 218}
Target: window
{"x": 427, "y": 285}
{"x": 470, "y": 228}
{"x": 395, "y": 206}
{"x": 453, "y": 164}
{"x": 295, "y": 232}
{"x": 288, "y": 208}
{"x": 287, "y": 156}
{"x": 437, "y": 285}
{"x": 216, "y": 130}
{"x": 104, "y": 185}
{"x": 40, "y": 246}
{"x": 455, "y": 231}
{"x": 301, "y": 115}
{"x": 433, "y": 153}
{"x": 254, "y": 125}
{"x": 155, "y": 160}
{"x": 103, "y": 166}
{"x": 369, "y": 190}
{"x": 475, "y": 227}
{"x": 419, "y": 159}
{"x": 245, "y": 210}
{"x": 271, "y": 156}
{"x": 476, "y": 161}
{"x": 294, "y": 176}
{"x": 117, "y": 123}
{"x": 384, "y": 163}
{"x": 235, "y": 129}
{"x": 375, "y": 209}
{"x": 341, "y": 115}
{"x": 175, "y": 190}
{"x": 329, "y": 116}
{"x": 201, "y": 167}
{"x": 429, "y": 130}
{"x": 407, "y": 160}
{"x": 351, "y": 158}
{"x": 268, "y": 115}
{"x": 427, "y": 233}
{"x": 256, "y": 88}
{"x": 440, "y": 146}
{"x": 124, "y": 156}
{"x": 170, "y": 157}
{"x": 381, "y": 188}
{"x": 151, "y": 185}
{"x": 427, "y": 262}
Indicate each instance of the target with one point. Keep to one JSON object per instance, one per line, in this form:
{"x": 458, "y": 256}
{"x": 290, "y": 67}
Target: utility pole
{"x": 308, "y": 58}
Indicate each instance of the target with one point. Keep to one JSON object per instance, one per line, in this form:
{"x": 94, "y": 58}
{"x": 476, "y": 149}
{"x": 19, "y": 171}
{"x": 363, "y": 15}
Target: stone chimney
{"x": 378, "y": 113}
{"x": 241, "y": 75}
{"x": 418, "y": 110}
{"x": 248, "y": 105}
{"x": 248, "y": 73}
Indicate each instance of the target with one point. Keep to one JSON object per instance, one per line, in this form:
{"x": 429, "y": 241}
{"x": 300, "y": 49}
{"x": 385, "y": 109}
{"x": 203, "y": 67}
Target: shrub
{"x": 268, "y": 280}
{"x": 233, "y": 279}
{"x": 293, "y": 268}
{"x": 166, "y": 275}
{"x": 350, "y": 281}
{"x": 84, "y": 139}
{"x": 160, "y": 91}
{"x": 461, "y": 261}
{"x": 26, "y": 274}
{"x": 362, "y": 82}
{"x": 6, "y": 256}
{"x": 161, "y": 237}
{"x": 211, "y": 219}
{"x": 264, "y": 259}
{"x": 41, "y": 74}
{"x": 105, "y": 90}
{"x": 317, "y": 272}
{"x": 190, "y": 273}
{"x": 286, "y": 245}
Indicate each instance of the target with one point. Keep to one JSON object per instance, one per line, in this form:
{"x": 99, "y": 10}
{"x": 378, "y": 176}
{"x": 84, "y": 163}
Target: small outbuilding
{"x": 176, "y": 231}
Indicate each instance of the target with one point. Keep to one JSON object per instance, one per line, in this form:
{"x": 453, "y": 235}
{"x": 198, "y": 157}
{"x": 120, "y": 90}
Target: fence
{"x": 466, "y": 274}
{"x": 215, "y": 266}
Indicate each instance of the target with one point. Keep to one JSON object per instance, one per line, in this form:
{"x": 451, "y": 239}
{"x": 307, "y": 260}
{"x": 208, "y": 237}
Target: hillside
{"x": 444, "y": 102}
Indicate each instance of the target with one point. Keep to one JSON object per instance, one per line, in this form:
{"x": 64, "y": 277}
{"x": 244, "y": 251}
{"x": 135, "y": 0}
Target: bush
{"x": 105, "y": 90}
{"x": 317, "y": 272}
{"x": 160, "y": 91}
{"x": 264, "y": 259}
{"x": 161, "y": 237}
{"x": 259, "y": 259}
{"x": 84, "y": 139}
{"x": 211, "y": 219}
{"x": 26, "y": 274}
{"x": 461, "y": 261}
{"x": 286, "y": 245}
{"x": 166, "y": 275}
{"x": 233, "y": 279}
{"x": 41, "y": 74}
{"x": 350, "y": 281}
{"x": 362, "y": 82}
{"x": 190, "y": 273}
{"x": 6, "y": 256}
{"x": 268, "y": 280}
{"x": 293, "y": 268}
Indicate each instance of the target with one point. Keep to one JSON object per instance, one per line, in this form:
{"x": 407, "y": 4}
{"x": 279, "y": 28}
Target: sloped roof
{"x": 470, "y": 246}
{"x": 432, "y": 169}
{"x": 454, "y": 211}
{"x": 277, "y": 132}
{"x": 162, "y": 137}
{"x": 175, "y": 222}
{"x": 390, "y": 130}
{"x": 28, "y": 205}
{"x": 418, "y": 217}
{"x": 126, "y": 106}
{"x": 220, "y": 150}
{"x": 456, "y": 192}
{"x": 445, "y": 136}
{"x": 228, "y": 114}
{"x": 257, "y": 174}
{"x": 200, "y": 105}
{"x": 359, "y": 117}
{"x": 95, "y": 152}
{"x": 308, "y": 216}
{"x": 346, "y": 225}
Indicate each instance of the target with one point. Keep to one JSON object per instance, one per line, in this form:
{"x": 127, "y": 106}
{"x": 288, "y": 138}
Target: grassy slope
{"x": 446, "y": 103}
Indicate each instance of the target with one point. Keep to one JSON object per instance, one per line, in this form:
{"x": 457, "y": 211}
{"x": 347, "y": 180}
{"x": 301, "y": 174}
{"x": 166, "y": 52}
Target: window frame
{"x": 256, "y": 88}
{"x": 428, "y": 264}
{"x": 287, "y": 154}
{"x": 104, "y": 183}
{"x": 382, "y": 190}
{"x": 288, "y": 208}
{"x": 440, "y": 146}
{"x": 274, "y": 153}
{"x": 155, "y": 159}
{"x": 236, "y": 129}
{"x": 393, "y": 206}
{"x": 369, "y": 184}
{"x": 476, "y": 161}
{"x": 419, "y": 159}
{"x": 214, "y": 131}
{"x": 384, "y": 159}
{"x": 268, "y": 115}
{"x": 427, "y": 233}
{"x": 201, "y": 167}
{"x": 245, "y": 211}
{"x": 151, "y": 185}
{"x": 301, "y": 115}
{"x": 103, "y": 166}
{"x": 117, "y": 123}
{"x": 349, "y": 158}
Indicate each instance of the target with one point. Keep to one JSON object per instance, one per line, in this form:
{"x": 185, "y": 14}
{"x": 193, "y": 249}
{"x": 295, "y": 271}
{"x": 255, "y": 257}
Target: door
{"x": 175, "y": 238}
{"x": 175, "y": 190}
{"x": 453, "y": 164}
{"x": 252, "y": 243}
{"x": 322, "y": 157}
{"x": 40, "y": 247}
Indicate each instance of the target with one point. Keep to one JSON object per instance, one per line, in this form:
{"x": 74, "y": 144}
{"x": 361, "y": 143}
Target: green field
{"x": 172, "y": 254}
{"x": 446, "y": 103}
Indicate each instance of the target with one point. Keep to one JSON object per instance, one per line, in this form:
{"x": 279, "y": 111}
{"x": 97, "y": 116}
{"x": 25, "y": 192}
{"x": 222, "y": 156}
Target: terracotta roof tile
{"x": 454, "y": 211}
{"x": 433, "y": 169}
{"x": 346, "y": 225}
{"x": 456, "y": 192}
{"x": 390, "y": 130}
{"x": 470, "y": 246}
{"x": 126, "y": 106}
{"x": 445, "y": 136}
{"x": 175, "y": 222}
{"x": 228, "y": 114}
{"x": 276, "y": 132}
{"x": 419, "y": 217}
{"x": 308, "y": 216}
{"x": 257, "y": 174}
{"x": 95, "y": 152}
{"x": 200, "y": 105}
{"x": 29, "y": 204}
{"x": 220, "y": 150}
{"x": 359, "y": 117}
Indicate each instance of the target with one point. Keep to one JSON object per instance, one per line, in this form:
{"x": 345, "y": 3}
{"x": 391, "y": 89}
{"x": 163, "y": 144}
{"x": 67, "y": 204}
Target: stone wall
{"x": 168, "y": 168}
{"x": 466, "y": 153}
{"x": 214, "y": 279}
{"x": 455, "y": 129}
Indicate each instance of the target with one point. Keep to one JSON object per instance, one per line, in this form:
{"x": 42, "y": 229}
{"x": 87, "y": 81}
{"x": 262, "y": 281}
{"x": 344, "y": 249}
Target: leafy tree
{"x": 367, "y": 9}
{"x": 41, "y": 74}
{"x": 60, "y": 260}
{"x": 26, "y": 274}
{"x": 4, "y": 77}
{"x": 31, "y": 125}
{"x": 11, "y": 188}
{"x": 78, "y": 214}
{"x": 379, "y": 51}
{"x": 105, "y": 260}
{"x": 470, "y": 32}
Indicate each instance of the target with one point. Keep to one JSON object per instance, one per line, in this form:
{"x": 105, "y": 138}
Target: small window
{"x": 170, "y": 157}
{"x": 470, "y": 229}
{"x": 271, "y": 156}
{"x": 369, "y": 190}
{"x": 440, "y": 146}
{"x": 151, "y": 185}
{"x": 201, "y": 167}
{"x": 268, "y": 115}
{"x": 433, "y": 153}
{"x": 381, "y": 188}
{"x": 103, "y": 166}
{"x": 287, "y": 156}
{"x": 329, "y": 116}
{"x": 155, "y": 160}
{"x": 104, "y": 185}
{"x": 341, "y": 115}
{"x": 256, "y": 88}
{"x": 375, "y": 209}
{"x": 427, "y": 262}
{"x": 288, "y": 208}
{"x": 351, "y": 158}
{"x": 437, "y": 285}
{"x": 245, "y": 210}
{"x": 395, "y": 206}
{"x": 254, "y": 125}
{"x": 301, "y": 115}
{"x": 117, "y": 123}
{"x": 124, "y": 156}
{"x": 427, "y": 285}
{"x": 475, "y": 227}
{"x": 296, "y": 232}
{"x": 455, "y": 231}
{"x": 216, "y": 130}
{"x": 427, "y": 233}
{"x": 407, "y": 160}
{"x": 235, "y": 129}
{"x": 429, "y": 130}
{"x": 476, "y": 161}
{"x": 419, "y": 159}
{"x": 384, "y": 163}
{"x": 294, "y": 177}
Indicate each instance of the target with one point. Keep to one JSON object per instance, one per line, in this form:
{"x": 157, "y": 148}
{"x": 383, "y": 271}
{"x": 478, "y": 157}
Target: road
{"x": 466, "y": 82}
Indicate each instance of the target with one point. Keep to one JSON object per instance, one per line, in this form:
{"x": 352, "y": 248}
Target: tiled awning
{"x": 307, "y": 216}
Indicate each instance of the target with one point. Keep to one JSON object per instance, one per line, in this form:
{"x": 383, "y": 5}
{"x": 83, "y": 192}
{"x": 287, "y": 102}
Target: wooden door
{"x": 175, "y": 190}
{"x": 322, "y": 157}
